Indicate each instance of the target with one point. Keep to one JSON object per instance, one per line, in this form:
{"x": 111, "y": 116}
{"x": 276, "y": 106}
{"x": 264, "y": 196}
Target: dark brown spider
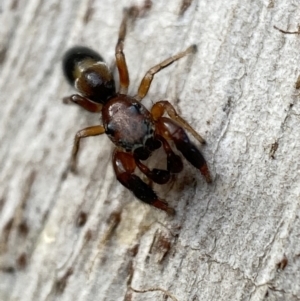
{"x": 134, "y": 130}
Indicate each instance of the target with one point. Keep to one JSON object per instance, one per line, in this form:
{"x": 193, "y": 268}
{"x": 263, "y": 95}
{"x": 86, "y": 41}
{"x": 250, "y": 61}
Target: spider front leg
{"x": 158, "y": 110}
{"x": 146, "y": 81}
{"x": 174, "y": 162}
{"x": 87, "y": 132}
{"x": 158, "y": 176}
{"x": 169, "y": 129}
{"x": 124, "y": 165}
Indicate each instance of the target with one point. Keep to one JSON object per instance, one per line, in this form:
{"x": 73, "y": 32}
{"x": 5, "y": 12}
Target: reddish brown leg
{"x": 124, "y": 166}
{"x": 84, "y": 103}
{"x": 174, "y": 162}
{"x": 120, "y": 56}
{"x": 171, "y": 130}
{"x": 158, "y": 176}
{"x": 146, "y": 81}
{"x": 90, "y": 131}
{"x": 161, "y": 107}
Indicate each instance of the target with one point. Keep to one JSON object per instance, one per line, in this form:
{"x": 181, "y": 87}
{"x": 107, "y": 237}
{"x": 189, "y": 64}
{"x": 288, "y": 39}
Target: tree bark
{"x": 84, "y": 236}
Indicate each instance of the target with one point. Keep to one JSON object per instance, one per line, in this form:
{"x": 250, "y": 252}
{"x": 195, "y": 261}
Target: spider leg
{"x": 174, "y": 162}
{"x": 146, "y": 81}
{"x": 171, "y": 130}
{"x": 132, "y": 12}
{"x": 83, "y": 102}
{"x": 120, "y": 56}
{"x": 87, "y": 132}
{"x": 124, "y": 165}
{"x": 158, "y": 110}
{"x": 158, "y": 176}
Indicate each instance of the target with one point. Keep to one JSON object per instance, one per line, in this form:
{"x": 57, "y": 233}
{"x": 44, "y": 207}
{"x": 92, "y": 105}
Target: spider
{"x": 135, "y": 131}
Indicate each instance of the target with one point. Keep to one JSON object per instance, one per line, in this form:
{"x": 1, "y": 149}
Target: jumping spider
{"x": 134, "y": 130}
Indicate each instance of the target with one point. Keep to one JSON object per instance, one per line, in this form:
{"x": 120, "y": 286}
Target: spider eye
{"x": 110, "y": 131}
{"x": 137, "y": 106}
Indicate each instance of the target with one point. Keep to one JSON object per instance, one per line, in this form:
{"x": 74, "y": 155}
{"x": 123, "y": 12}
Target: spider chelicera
{"x": 135, "y": 131}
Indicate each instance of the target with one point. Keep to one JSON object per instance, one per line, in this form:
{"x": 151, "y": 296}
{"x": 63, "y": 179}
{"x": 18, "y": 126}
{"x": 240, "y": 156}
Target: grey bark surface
{"x": 84, "y": 236}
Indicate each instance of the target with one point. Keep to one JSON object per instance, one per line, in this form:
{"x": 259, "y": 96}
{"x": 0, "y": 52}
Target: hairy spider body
{"x": 135, "y": 131}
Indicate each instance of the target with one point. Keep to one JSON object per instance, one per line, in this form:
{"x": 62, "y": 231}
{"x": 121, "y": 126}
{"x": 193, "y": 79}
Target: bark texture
{"x": 84, "y": 236}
